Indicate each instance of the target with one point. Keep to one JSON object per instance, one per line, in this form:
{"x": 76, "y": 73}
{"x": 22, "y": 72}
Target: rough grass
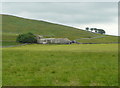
{"x": 9, "y": 39}
{"x": 61, "y": 65}
{"x": 0, "y": 67}
{"x": 107, "y": 39}
{"x": 12, "y": 24}
{"x": 9, "y": 43}
{"x": 9, "y": 36}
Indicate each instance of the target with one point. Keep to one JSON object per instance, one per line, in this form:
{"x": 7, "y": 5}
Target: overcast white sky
{"x": 60, "y": 0}
{"x": 103, "y": 15}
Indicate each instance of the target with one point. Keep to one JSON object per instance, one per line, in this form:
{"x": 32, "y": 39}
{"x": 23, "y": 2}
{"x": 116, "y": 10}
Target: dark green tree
{"x": 95, "y": 29}
{"x": 91, "y": 29}
{"x": 101, "y": 31}
{"x": 87, "y": 28}
{"x": 26, "y": 38}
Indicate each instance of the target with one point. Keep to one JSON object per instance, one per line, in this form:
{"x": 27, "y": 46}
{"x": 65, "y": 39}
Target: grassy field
{"x": 9, "y": 39}
{"x": 61, "y": 65}
{"x": 12, "y": 26}
{"x": 107, "y": 39}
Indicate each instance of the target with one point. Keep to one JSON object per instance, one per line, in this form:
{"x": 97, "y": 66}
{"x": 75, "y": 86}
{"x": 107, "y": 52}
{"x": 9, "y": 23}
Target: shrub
{"x": 26, "y": 38}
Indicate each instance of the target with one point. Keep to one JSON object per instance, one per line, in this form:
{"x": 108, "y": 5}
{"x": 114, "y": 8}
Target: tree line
{"x": 100, "y": 31}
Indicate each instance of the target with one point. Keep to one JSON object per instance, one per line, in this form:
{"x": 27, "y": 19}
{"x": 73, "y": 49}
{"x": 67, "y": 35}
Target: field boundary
{"x": 92, "y": 37}
{"x": 14, "y": 45}
{"x": 47, "y": 44}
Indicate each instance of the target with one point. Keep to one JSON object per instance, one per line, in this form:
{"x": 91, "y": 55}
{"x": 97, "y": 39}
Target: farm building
{"x": 42, "y": 40}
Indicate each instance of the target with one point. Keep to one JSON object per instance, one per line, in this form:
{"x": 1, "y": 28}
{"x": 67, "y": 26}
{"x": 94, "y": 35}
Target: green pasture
{"x": 13, "y": 24}
{"x": 61, "y": 65}
{"x": 0, "y": 67}
{"x": 107, "y": 39}
{"x": 9, "y": 36}
{"x": 9, "y": 39}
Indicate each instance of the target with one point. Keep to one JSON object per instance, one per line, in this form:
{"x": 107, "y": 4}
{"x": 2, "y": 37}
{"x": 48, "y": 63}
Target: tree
{"x": 101, "y": 31}
{"x": 95, "y": 29}
{"x": 87, "y": 28}
{"x": 91, "y": 29}
{"x": 26, "y": 38}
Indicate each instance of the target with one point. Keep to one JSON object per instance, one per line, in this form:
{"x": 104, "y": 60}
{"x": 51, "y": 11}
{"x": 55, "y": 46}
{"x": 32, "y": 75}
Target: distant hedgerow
{"x": 26, "y": 38}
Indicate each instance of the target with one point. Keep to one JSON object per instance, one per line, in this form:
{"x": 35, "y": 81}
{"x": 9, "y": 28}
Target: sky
{"x": 102, "y": 15}
{"x": 60, "y": 0}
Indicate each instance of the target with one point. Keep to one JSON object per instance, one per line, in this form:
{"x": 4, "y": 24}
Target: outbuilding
{"x": 42, "y": 40}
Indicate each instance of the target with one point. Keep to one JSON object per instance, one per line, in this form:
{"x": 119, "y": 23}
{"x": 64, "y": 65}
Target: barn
{"x": 42, "y": 40}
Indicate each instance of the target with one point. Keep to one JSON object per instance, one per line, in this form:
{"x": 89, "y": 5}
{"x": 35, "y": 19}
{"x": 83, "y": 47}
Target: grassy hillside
{"x": 61, "y": 65}
{"x": 12, "y": 26}
{"x": 107, "y": 39}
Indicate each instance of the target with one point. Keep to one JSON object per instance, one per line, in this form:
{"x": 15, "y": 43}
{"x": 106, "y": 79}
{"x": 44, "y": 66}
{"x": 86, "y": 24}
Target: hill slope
{"x": 12, "y": 26}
